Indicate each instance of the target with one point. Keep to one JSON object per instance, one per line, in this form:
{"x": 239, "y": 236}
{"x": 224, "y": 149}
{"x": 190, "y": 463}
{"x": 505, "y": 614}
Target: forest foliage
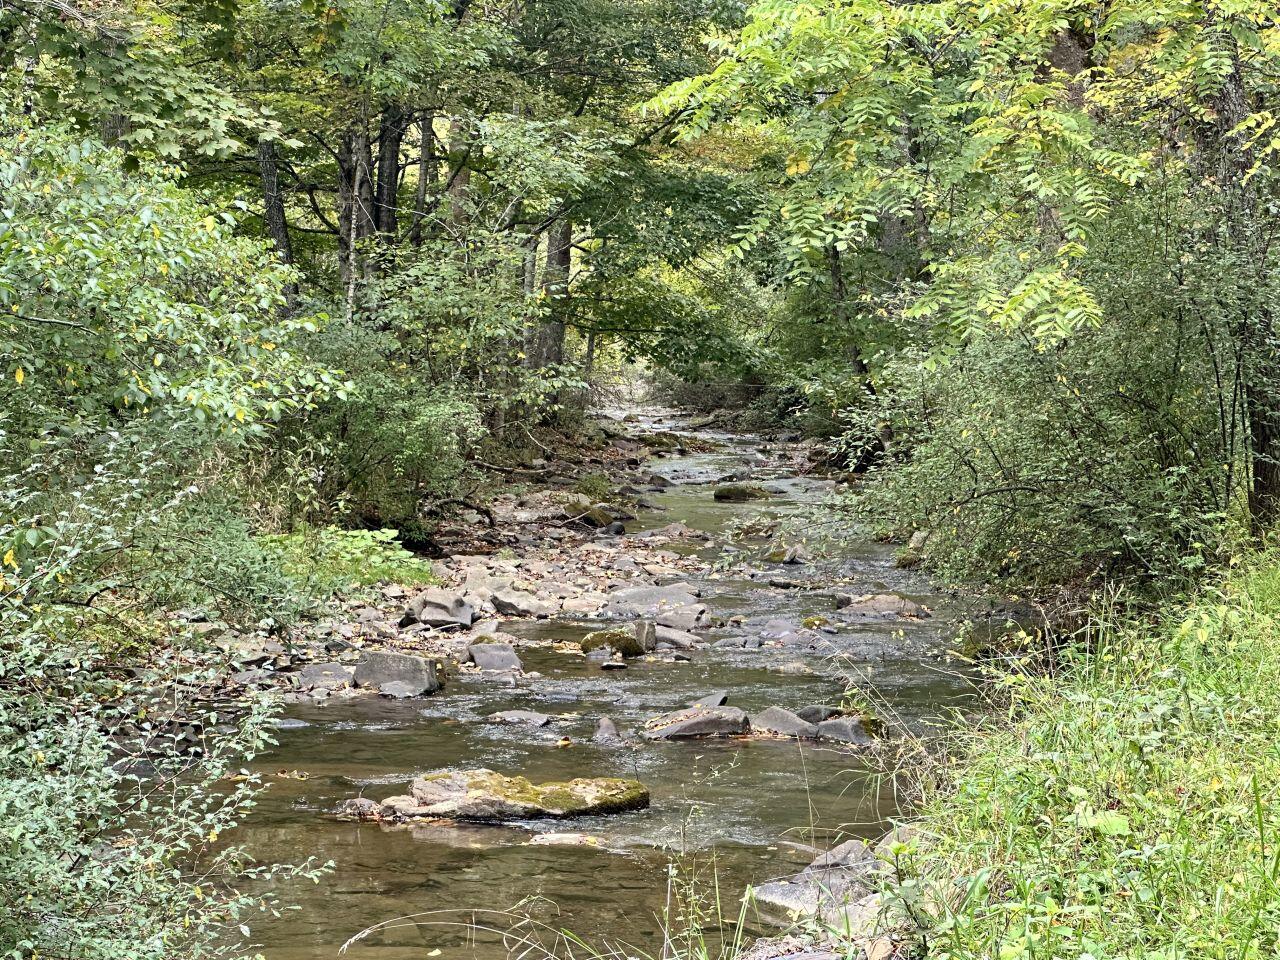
{"x": 288, "y": 269}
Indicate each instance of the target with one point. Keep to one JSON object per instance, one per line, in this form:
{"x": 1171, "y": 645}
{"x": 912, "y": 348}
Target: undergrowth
{"x": 1126, "y": 807}
{"x": 328, "y": 560}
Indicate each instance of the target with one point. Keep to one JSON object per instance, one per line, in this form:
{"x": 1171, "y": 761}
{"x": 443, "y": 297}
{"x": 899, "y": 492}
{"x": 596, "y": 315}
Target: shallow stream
{"x": 749, "y": 806}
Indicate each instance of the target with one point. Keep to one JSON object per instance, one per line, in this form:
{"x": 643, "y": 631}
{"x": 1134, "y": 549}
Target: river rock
{"x": 379, "y": 668}
{"x": 528, "y": 718}
{"x": 858, "y": 921}
{"x": 683, "y": 618}
{"x": 400, "y": 690}
{"x": 588, "y": 515}
{"x": 881, "y": 605}
{"x": 649, "y": 601}
{"x": 518, "y": 603}
{"x": 626, "y": 643}
{"x": 485, "y": 795}
{"x": 810, "y": 896}
{"x": 323, "y": 676}
{"x": 679, "y": 639}
{"x": 739, "y": 493}
{"x": 782, "y": 723}
{"x": 717, "y": 698}
{"x": 494, "y": 657}
{"x": 816, "y": 713}
{"x": 697, "y": 722}
{"x": 434, "y": 607}
{"x": 790, "y": 556}
{"x": 360, "y": 808}
{"x": 850, "y": 854}
{"x": 606, "y": 731}
{"x": 844, "y": 729}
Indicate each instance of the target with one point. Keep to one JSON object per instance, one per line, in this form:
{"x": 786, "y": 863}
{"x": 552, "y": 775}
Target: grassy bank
{"x": 1126, "y": 807}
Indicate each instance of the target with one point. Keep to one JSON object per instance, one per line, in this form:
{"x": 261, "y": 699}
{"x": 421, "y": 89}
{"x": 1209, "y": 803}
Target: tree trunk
{"x": 428, "y": 174}
{"x": 273, "y": 201}
{"x": 460, "y": 177}
{"x": 1248, "y": 227}
{"x": 391, "y": 132}
{"x": 549, "y": 340}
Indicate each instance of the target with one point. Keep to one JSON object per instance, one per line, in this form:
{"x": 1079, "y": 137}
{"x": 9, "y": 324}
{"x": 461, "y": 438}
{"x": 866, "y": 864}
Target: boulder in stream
{"x": 816, "y": 713}
{"x": 739, "y": 493}
{"x": 777, "y": 722}
{"x": 434, "y": 607}
{"x": 518, "y": 603}
{"x": 633, "y": 642}
{"x": 495, "y": 656}
{"x": 485, "y": 795}
{"x": 679, "y": 639}
{"x": 380, "y": 669}
{"x": 881, "y": 605}
{"x": 844, "y": 729}
{"x": 697, "y": 722}
{"x": 323, "y": 676}
{"x": 606, "y": 731}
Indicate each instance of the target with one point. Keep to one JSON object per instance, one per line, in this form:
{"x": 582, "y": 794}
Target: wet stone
{"x": 845, "y": 730}
{"x": 485, "y": 795}
{"x": 379, "y": 669}
{"x": 528, "y": 718}
{"x": 697, "y": 722}
{"x": 816, "y": 713}
{"x": 495, "y": 657}
{"x": 782, "y": 723}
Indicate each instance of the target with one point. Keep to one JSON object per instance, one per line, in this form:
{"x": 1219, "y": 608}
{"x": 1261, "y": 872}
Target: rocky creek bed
{"x": 681, "y": 642}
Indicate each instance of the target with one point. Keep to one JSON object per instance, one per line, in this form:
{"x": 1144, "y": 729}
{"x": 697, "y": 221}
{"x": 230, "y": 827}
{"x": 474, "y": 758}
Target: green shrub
{"x": 1129, "y": 806}
{"x": 326, "y": 560}
{"x": 114, "y": 763}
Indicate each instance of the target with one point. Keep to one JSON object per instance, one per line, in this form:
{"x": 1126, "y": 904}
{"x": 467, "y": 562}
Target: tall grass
{"x": 1125, "y": 807}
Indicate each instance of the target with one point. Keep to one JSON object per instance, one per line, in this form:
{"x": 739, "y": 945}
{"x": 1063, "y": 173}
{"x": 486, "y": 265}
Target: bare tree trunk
{"x": 460, "y": 177}
{"x": 273, "y": 211}
{"x": 548, "y": 341}
{"x": 428, "y": 174}
{"x": 391, "y": 132}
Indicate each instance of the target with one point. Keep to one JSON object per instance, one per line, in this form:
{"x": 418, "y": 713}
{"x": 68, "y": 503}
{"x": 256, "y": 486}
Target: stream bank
{"x": 780, "y": 620}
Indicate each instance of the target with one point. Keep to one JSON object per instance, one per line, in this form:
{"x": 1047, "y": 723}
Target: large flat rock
{"x": 695, "y": 722}
{"x": 485, "y": 795}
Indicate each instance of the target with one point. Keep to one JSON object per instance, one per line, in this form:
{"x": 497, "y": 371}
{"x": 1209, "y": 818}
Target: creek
{"x": 744, "y": 810}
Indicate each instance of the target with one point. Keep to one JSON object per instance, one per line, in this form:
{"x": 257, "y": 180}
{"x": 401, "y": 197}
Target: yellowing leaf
{"x": 19, "y": 375}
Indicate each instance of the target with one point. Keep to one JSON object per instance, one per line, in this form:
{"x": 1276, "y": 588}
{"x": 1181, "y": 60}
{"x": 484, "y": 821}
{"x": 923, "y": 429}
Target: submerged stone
{"x": 485, "y": 795}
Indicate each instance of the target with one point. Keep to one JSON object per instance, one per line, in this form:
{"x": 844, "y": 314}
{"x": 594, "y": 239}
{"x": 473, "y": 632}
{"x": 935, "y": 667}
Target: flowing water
{"x": 746, "y": 806}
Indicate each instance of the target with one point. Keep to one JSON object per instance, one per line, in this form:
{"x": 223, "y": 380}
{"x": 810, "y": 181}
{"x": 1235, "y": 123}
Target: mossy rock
{"x": 739, "y": 493}
{"x": 907, "y": 559}
{"x": 624, "y": 642}
{"x": 588, "y": 515}
{"x": 485, "y": 795}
